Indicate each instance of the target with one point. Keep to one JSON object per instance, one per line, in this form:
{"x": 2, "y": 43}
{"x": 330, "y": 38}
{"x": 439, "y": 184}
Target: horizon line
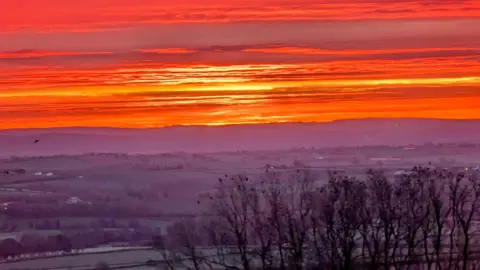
{"x": 242, "y": 124}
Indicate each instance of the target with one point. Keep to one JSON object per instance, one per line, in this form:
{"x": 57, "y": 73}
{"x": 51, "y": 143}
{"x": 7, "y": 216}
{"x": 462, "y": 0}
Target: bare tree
{"x": 230, "y": 204}
{"x": 262, "y": 231}
{"x": 343, "y": 200}
{"x": 412, "y": 197}
{"x": 184, "y": 242}
{"x": 382, "y": 223}
{"x": 377, "y": 220}
{"x": 297, "y": 209}
{"x": 466, "y": 194}
{"x": 435, "y": 228}
{"x": 273, "y": 193}
{"x": 422, "y": 220}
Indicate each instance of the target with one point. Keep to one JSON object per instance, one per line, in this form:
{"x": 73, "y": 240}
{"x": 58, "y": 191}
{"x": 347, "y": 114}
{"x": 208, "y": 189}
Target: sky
{"x": 155, "y": 63}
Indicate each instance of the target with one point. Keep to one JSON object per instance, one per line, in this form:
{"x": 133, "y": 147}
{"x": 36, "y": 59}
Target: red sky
{"x": 152, "y": 63}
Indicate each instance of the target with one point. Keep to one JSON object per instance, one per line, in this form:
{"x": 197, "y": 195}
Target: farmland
{"x": 87, "y": 261}
{"x": 95, "y": 200}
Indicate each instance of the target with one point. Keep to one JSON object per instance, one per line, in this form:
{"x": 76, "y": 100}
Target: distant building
{"x": 43, "y": 173}
{"x": 5, "y": 205}
{"x": 277, "y": 167}
{"x": 76, "y": 200}
{"x": 401, "y": 173}
{"x": 15, "y": 172}
{"x": 398, "y": 175}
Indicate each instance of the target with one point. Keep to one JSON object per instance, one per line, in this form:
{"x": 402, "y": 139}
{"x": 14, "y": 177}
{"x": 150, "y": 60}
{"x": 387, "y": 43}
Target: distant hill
{"x": 77, "y": 140}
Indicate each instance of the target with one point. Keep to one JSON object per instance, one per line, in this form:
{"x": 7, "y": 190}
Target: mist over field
{"x": 104, "y": 192}
{"x": 195, "y": 139}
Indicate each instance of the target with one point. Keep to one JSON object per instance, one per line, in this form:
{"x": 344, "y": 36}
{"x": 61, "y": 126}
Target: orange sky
{"x": 152, "y": 63}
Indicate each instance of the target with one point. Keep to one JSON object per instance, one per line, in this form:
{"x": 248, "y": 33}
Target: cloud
{"x": 314, "y": 34}
{"x": 39, "y": 53}
{"x": 220, "y": 55}
{"x": 184, "y": 76}
{"x": 317, "y": 51}
{"x": 301, "y": 104}
{"x": 95, "y": 15}
{"x": 111, "y": 62}
{"x": 167, "y": 51}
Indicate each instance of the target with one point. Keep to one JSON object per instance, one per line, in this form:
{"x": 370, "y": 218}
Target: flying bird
{"x": 36, "y": 141}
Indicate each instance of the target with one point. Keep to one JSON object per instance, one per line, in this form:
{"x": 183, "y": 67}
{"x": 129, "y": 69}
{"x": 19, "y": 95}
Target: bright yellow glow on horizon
{"x": 233, "y": 87}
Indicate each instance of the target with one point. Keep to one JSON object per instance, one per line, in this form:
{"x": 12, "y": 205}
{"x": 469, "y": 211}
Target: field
{"x": 142, "y": 195}
{"x": 87, "y": 261}
{"x": 170, "y": 184}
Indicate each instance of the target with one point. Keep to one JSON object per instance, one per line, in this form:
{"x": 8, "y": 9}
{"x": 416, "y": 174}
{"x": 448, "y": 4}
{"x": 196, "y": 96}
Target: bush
{"x": 102, "y": 266}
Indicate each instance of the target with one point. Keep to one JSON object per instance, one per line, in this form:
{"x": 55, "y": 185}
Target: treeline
{"x": 425, "y": 219}
{"x": 121, "y": 209}
{"x": 31, "y": 243}
{"x": 85, "y": 224}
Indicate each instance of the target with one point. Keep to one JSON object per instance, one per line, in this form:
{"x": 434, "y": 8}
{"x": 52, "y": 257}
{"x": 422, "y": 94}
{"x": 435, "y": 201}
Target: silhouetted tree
{"x": 32, "y": 243}
{"x": 102, "y": 266}
{"x": 423, "y": 219}
{"x": 10, "y": 248}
